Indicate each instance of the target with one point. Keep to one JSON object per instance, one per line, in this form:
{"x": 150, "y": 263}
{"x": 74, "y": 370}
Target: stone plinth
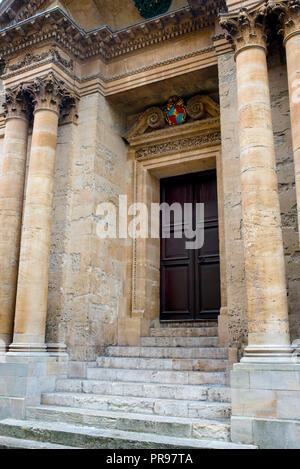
{"x": 266, "y": 405}
{"x": 24, "y": 379}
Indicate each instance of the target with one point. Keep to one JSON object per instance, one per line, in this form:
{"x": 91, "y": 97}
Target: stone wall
{"x": 286, "y": 180}
{"x": 85, "y": 284}
{"x": 233, "y": 321}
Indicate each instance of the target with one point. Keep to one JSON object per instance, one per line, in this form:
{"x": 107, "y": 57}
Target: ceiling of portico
{"x": 134, "y": 101}
{"x": 116, "y": 14}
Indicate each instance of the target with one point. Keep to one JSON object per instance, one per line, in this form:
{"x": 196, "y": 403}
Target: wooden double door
{"x": 190, "y": 278}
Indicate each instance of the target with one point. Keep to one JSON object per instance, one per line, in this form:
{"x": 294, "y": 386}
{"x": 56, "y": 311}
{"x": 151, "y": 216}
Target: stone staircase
{"x": 168, "y": 393}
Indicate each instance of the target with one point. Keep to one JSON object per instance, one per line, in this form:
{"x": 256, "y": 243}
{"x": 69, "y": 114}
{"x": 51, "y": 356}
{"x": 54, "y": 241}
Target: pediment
{"x": 201, "y": 113}
{"x": 82, "y": 26}
{"x": 88, "y": 14}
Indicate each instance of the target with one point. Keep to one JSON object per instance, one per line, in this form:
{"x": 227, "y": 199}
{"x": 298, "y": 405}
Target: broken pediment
{"x": 177, "y": 115}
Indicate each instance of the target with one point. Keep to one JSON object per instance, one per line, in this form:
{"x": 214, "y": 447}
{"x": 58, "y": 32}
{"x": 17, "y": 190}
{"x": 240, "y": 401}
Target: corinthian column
{"x": 12, "y": 175}
{"x": 289, "y": 16}
{"x": 268, "y": 326}
{"x": 31, "y": 304}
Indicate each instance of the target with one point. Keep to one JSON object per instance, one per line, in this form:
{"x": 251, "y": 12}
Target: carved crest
{"x": 197, "y": 108}
{"x": 175, "y": 111}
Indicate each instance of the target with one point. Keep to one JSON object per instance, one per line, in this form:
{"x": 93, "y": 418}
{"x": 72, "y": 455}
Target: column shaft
{"x": 268, "y": 325}
{"x": 12, "y": 176}
{"x": 31, "y": 304}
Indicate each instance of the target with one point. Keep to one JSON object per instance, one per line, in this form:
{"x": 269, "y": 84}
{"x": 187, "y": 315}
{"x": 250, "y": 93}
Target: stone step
{"x": 155, "y": 390}
{"x": 184, "y": 332}
{"x": 167, "y": 352}
{"x": 18, "y": 443}
{"x": 159, "y": 425}
{"x": 142, "y": 405}
{"x": 179, "y": 342}
{"x": 182, "y": 324}
{"x": 153, "y": 376}
{"x": 177, "y": 364}
{"x": 94, "y": 438}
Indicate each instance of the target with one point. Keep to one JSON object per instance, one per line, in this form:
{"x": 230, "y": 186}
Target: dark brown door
{"x": 190, "y": 278}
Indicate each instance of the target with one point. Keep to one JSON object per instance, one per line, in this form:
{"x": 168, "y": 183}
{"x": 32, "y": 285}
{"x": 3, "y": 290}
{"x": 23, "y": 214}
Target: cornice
{"x": 14, "y": 11}
{"x": 34, "y": 63}
{"x": 56, "y": 25}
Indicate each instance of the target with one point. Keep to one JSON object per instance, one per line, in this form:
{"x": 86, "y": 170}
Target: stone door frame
{"x": 142, "y": 277}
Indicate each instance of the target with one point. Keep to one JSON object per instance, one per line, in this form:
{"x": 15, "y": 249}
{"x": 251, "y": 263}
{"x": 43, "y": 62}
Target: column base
{"x": 268, "y": 354}
{"x": 57, "y": 350}
{"x": 27, "y": 377}
{"x": 27, "y": 349}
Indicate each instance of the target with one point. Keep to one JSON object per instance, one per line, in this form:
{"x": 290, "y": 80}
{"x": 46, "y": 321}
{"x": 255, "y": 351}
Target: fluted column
{"x": 267, "y": 310}
{"x": 12, "y": 176}
{"x": 32, "y": 291}
{"x": 289, "y": 16}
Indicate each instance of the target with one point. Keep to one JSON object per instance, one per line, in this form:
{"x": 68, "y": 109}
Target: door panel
{"x": 190, "y": 279}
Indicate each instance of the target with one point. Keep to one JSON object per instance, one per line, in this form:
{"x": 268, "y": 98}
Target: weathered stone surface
{"x": 89, "y": 438}
{"x": 169, "y": 391}
{"x": 167, "y": 352}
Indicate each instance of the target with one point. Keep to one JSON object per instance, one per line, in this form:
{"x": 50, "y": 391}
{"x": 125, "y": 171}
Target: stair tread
{"x": 157, "y": 370}
{"x": 148, "y": 359}
{"x": 128, "y": 415}
{"x": 91, "y": 380}
{"x": 19, "y": 443}
{"x": 131, "y": 398}
{"x": 153, "y": 347}
{"x": 184, "y": 331}
{"x": 157, "y": 376}
{"x": 169, "y": 341}
{"x": 146, "y": 438}
{"x": 177, "y": 364}
{"x": 160, "y": 349}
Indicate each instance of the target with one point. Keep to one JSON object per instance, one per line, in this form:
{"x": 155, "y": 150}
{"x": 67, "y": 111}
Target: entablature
{"x": 103, "y": 42}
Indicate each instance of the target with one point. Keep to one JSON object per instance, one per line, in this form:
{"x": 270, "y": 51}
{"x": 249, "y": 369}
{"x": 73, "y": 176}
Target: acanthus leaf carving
{"x": 247, "y": 27}
{"x": 288, "y": 13}
{"x": 16, "y": 102}
{"x": 47, "y": 92}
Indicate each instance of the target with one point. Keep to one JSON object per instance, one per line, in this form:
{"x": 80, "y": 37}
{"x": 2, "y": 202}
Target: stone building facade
{"x": 84, "y": 339}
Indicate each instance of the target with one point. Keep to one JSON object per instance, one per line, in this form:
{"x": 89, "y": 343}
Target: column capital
{"x": 289, "y": 16}
{"x": 16, "y": 104}
{"x": 246, "y": 28}
{"x": 49, "y": 93}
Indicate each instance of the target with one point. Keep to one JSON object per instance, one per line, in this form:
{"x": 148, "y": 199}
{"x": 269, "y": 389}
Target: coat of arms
{"x": 175, "y": 112}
